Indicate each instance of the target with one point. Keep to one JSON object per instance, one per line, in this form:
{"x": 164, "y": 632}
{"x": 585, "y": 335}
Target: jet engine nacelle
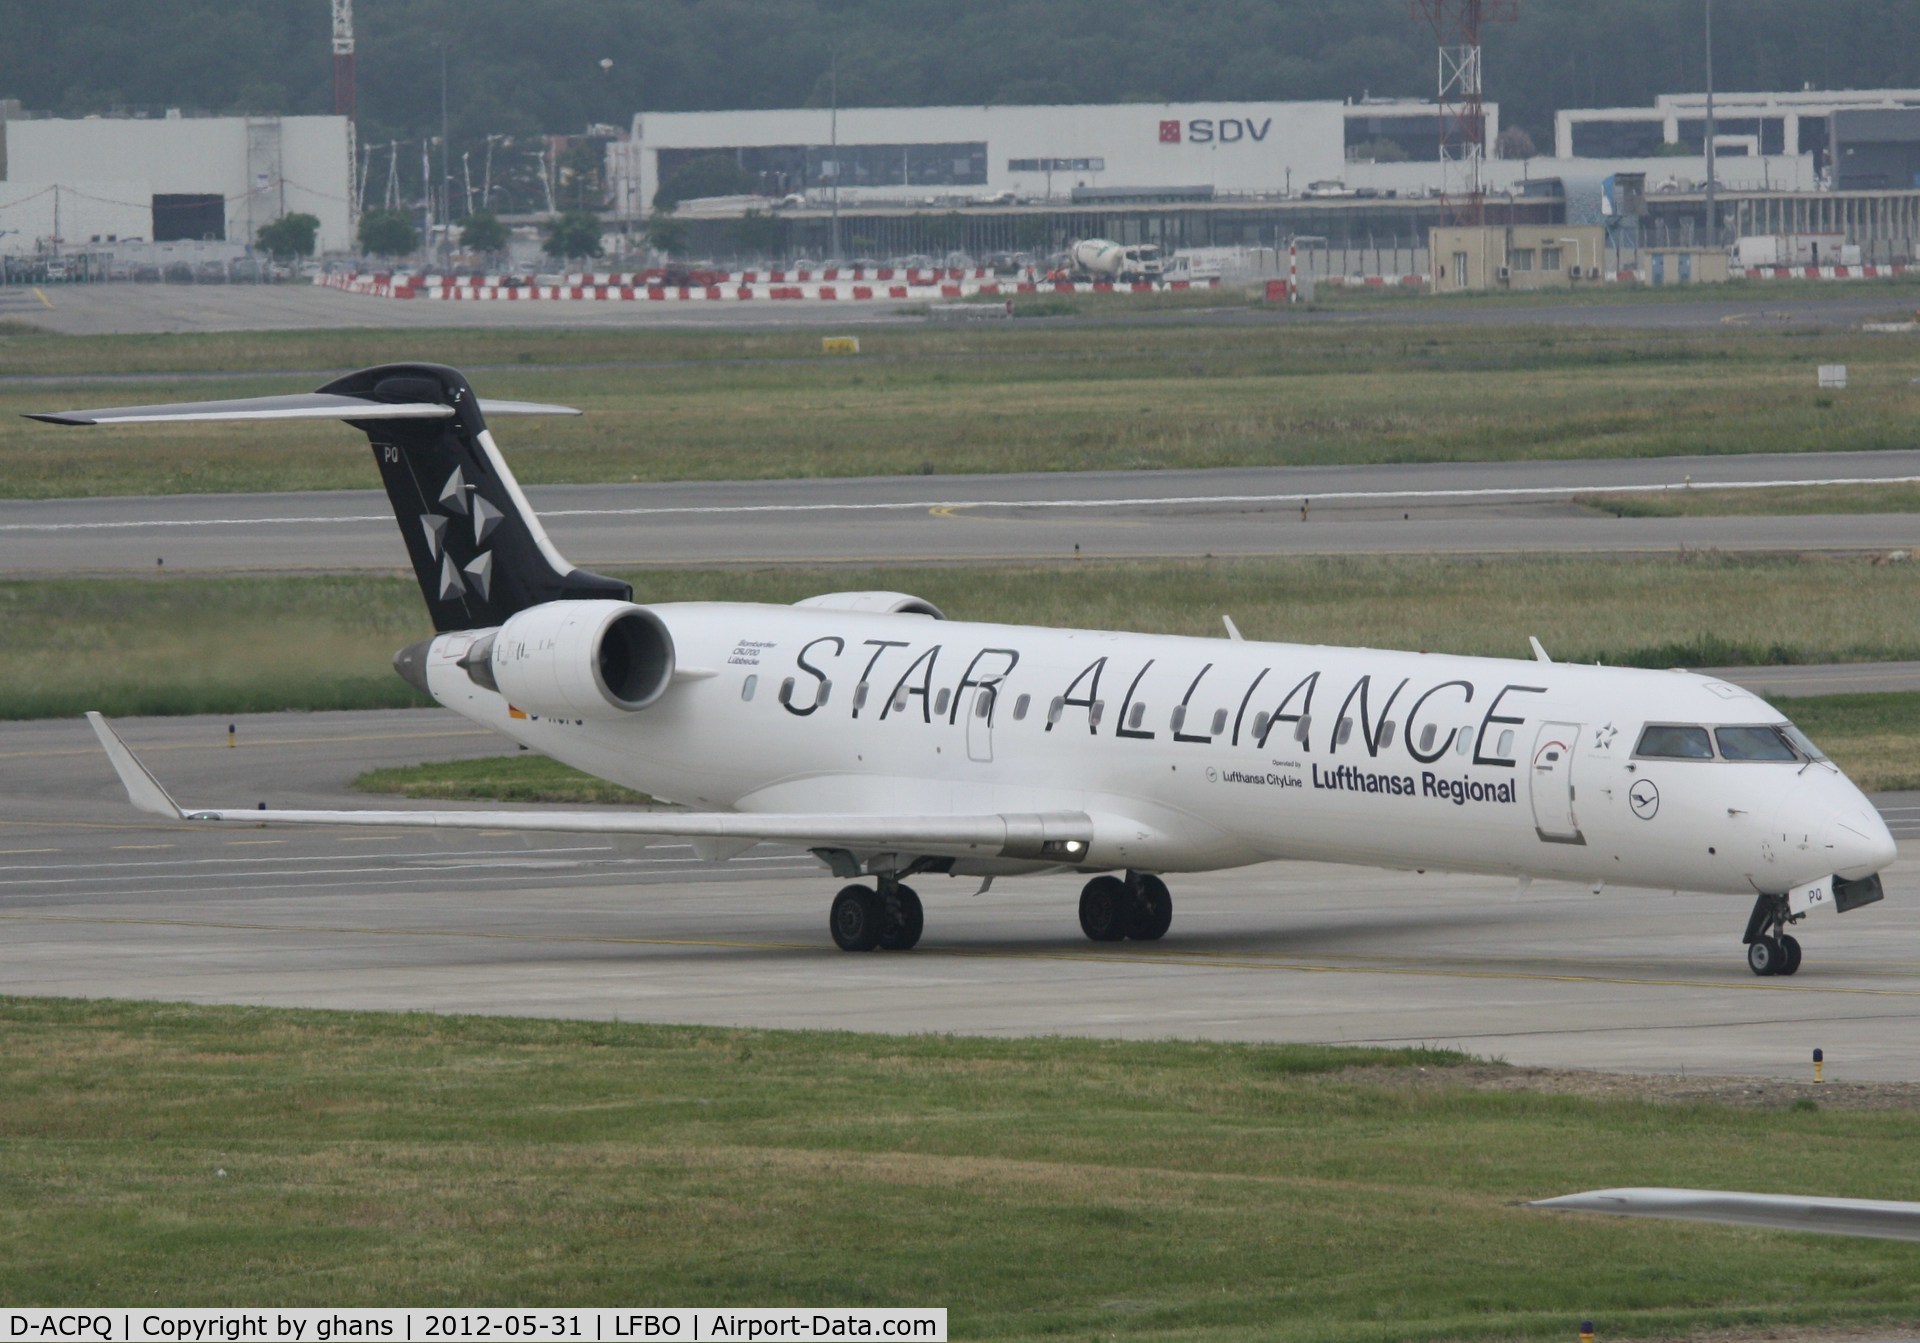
{"x": 576, "y": 659}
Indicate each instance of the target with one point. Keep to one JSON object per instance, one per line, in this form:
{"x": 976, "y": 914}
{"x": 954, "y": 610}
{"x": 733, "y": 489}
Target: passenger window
{"x": 1020, "y": 707}
{"x": 900, "y": 702}
{"x": 1426, "y": 739}
{"x": 982, "y": 703}
{"x": 940, "y": 701}
{"x": 786, "y": 691}
{"x": 1098, "y": 712}
{"x": 748, "y": 686}
{"x": 860, "y": 697}
{"x": 1055, "y": 709}
{"x": 1219, "y": 721}
{"x": 1752, "y": 743}
{"x": 1259, "y": 726}
{"x": 826, "y": 688}
{"x": 1463, "y": 744}
{"x": 1346, "y": 730}
{"x": 1179, "y": 718}
{"x": 1386, "y": 734}
{"x": 1134, "y": 718}
{"x": 1667, "y": 742}
{"x": 1506, "y": 742}
{"x": 1301, "y": 728}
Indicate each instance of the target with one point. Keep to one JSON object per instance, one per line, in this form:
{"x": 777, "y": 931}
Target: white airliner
{"x": 893, "y": 742}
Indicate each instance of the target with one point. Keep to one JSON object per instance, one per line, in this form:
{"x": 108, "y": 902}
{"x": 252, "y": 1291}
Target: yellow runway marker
{"x": 12, "y": 851}
{"x": 42, "y": 297}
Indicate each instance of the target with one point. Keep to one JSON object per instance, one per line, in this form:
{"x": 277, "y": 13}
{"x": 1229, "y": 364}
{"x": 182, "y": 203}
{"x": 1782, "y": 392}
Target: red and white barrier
{"x": 1875, "y": 272}
{"x": 775, "y": 285}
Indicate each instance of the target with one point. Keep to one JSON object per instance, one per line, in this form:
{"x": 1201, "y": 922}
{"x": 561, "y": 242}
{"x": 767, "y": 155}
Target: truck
{"x": 1104, "y": 259}
{"x": 1795, "y": 249}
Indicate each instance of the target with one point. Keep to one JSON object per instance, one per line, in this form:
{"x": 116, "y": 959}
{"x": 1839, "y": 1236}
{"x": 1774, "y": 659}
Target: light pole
{"x": 833, "y": 136}
{"x": 1713, "y": 222}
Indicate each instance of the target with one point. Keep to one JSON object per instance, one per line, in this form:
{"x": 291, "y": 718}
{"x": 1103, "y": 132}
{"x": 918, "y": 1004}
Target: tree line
{"x": 520, "y": 68}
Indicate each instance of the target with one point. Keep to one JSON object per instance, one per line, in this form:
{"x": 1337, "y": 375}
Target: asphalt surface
{"x": 89, "y": 310}
{"x": 1474, "y": 507}
{"x": 94, "y": 900}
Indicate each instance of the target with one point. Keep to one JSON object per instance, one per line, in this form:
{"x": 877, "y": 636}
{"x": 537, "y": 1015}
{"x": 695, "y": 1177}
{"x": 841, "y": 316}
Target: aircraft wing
{"x": 1877, "y": 1218}
{"x": 299, "y": 406}
{"x": 1060, "y": 837}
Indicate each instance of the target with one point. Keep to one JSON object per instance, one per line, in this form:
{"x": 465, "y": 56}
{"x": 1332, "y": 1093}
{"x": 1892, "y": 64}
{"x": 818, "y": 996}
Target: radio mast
{"x": 1463, "y": 119}
{"x": 343, "y": 96}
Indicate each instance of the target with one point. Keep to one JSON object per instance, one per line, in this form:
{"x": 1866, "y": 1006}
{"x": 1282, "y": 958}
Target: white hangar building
{"x": 171, "y": 178}
{"x": 878, "y": 154}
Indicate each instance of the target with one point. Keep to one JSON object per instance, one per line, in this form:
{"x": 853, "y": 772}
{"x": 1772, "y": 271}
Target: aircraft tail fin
{"x": 478, "y": 551}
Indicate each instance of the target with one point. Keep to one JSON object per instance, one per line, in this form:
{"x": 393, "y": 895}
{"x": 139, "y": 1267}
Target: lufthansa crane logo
{"x": 1644, "y": 798}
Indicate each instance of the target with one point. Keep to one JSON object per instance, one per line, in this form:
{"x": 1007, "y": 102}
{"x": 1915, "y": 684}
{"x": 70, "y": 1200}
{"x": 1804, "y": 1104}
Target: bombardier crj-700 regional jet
{"x": 893, "y": 742}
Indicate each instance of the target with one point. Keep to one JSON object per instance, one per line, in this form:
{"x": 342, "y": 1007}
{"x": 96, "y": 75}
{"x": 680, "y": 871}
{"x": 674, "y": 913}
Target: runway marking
{"x": 120, "y": 847}
{"x": 44, "y": 300}
{"x": 14, "y": 851}
{"x": 931, "y": 505}
{"x": 311, "y": 858}
{"x": 236, "y": 843}
{"x": 1181, "y": 960}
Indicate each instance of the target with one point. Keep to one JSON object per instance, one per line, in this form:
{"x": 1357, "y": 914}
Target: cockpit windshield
{"x": 1802, "y": 742}
{"x": 1753, "y": 743}
{"x": 1780, "y": 742}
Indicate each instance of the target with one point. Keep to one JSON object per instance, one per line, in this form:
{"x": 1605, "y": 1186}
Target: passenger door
{"x": 1551, "y": 782}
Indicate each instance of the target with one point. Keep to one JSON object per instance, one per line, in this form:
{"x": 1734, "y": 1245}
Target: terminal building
{"x": 890, "y": 181}
{"x": 93, "y": 182}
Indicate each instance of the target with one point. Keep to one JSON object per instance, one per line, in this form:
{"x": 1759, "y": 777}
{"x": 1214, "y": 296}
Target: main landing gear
{"x": 1140, "y": 907}
{"x": 1771, "y": 950}
{"x": 887, "y": 919}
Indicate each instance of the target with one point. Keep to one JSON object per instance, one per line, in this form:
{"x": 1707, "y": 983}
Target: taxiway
{"x": 97, "y": 901}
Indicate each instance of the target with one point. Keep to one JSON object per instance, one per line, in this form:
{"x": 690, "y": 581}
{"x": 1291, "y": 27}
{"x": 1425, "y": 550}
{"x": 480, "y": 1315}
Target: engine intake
{"x": 576, "y": 658}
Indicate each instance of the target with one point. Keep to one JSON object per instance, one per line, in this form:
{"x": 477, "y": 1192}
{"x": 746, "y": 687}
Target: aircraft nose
{"x": 1832, "y": 822}
{"x": 1862, "y": 844}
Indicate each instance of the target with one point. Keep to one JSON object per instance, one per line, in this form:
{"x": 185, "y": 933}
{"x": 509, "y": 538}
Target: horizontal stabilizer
{"x": 1879, "y": 1219}
{"x": 1062, "y": 837}
{"x": 301, "y": 406}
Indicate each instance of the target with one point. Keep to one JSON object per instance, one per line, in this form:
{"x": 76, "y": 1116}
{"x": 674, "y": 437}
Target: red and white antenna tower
{"x": 1463, "y": 119}
{"x": 343, "y": 58}
{"x": 343, "y": 94}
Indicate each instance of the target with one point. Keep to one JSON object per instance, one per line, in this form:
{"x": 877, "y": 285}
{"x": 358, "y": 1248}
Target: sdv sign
{"x": 1216, "y": 130}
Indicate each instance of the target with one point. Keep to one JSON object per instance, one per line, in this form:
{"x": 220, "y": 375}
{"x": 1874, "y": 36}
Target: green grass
{"x": 1035, "y": 1188}
{"x": 1778, "y": 501}
{"x": 987, "y": 397}
{"x": 1874, "y": 738}
{"x": 523, "y": 777}
{"x": 192, "y": 645}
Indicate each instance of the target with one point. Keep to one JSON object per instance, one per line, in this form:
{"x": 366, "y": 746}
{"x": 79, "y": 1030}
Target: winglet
{"x": 143, "y": 790}
{"x": 1539, "y": 653}
{"x": 1233, "y": 630}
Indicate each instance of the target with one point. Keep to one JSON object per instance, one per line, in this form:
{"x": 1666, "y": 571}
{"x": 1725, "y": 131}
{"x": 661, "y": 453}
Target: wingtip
{"x": 143, "y": 790}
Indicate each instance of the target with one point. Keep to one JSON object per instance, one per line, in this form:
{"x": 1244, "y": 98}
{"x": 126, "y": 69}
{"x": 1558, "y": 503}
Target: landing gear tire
{"x": 1152, "y": 909}
{"x": 1104, "y": 905}
{"x": 1771, "y": 949}
{"x": 1789, "y": 954}
{"x": 857, "y": 919}
{"x": 1765, "y": 956}
{"x": 902, "y": 918}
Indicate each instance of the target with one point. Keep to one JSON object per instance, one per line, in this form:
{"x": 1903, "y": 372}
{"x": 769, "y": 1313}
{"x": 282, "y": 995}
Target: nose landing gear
{"x": 887, "y": 919}
{"x": 1771, "y": 949}
{"x": 1140, "y": 907}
